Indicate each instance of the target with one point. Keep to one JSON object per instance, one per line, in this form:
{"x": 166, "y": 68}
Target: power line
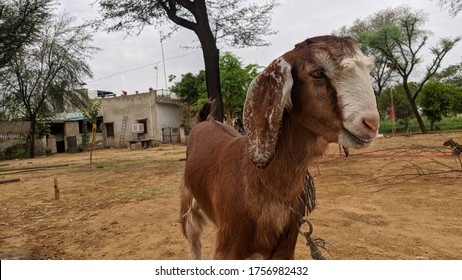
{"x": 141, "y": 67}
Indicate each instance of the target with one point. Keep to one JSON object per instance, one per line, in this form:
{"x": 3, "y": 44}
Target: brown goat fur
{"x": 249, "y": 185}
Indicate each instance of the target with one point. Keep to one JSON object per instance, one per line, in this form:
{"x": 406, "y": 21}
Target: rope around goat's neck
{"x": 308, "y": 204}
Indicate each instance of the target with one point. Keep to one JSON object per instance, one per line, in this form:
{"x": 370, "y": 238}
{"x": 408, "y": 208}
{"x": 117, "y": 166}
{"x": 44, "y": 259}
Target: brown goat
{"x": 248, "y": 186}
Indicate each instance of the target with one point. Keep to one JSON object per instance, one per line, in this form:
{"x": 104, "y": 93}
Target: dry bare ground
{"x": 396, "y": 200}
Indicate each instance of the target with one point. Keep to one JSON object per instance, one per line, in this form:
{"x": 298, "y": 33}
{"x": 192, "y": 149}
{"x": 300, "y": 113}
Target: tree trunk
{"x": 33, "y": 123}
{"x": 414, "y": 107}
{"x": 211, "y": 58}
{"x": 212, "y": 78}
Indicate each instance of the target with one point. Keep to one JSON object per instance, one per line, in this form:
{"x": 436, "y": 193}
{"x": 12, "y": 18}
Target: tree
{"x": 20, "y": 24}
{"x": 90, "y": 113}
{"x": 189, "y": 87}
{"x": 438, "y": 100}
{"x": 228, "y": 21}
{"x": 453, "y": 6}
{"x": 451, "y": 75}
{"x": 235, "y": 79}
{"x": 401, "y": 43}
{"x": 41, "y": 78}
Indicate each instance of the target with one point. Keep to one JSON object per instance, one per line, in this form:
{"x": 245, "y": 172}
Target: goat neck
{"x": 297, "y": 148}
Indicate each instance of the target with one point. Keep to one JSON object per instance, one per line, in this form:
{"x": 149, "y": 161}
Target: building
{"x": 143, "y": 117}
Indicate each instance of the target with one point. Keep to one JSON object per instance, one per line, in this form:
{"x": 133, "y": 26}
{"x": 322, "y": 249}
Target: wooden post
{"x": 56, "y": 189}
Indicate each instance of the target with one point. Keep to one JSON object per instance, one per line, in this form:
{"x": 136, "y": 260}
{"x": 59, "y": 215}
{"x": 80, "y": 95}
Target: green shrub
{"x": 16, "y": 151}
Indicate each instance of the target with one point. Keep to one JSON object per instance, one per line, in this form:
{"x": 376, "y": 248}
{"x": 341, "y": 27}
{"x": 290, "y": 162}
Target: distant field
{"x": 448, "y": 123}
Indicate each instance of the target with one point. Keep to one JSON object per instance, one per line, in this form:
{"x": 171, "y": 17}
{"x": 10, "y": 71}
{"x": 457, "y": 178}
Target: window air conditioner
{"x": 138, "y": 128}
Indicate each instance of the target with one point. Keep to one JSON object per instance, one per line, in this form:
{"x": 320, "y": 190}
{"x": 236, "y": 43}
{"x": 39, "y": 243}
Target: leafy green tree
{"x": 451, "y": 75}
{"x": 458, "y": 101}
{"x": 401, "y": 43}
{"x": 235, "y": 80}
{"x": 40, "y": 80}
{"x": 20, "y": 24}
{"x": 438, "y": 100}
{"x": 90, "y": 113}
{"x": 189, "y": 87}
{"x": 234, "y": 22}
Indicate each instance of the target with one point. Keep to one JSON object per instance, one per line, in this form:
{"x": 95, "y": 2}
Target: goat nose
{"x": 372, "y": 124}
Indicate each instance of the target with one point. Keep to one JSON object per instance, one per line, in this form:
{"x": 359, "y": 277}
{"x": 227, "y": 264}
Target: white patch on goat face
{"x": 357, "y": 101}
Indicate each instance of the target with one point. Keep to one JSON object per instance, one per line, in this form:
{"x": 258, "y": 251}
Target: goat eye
{"x": 318, "y": 74}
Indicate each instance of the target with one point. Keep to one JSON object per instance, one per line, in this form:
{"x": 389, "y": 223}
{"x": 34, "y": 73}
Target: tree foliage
{"x": 20, "y": 23}
{"x": 40, "y": 80}
{"x": 90, "y": 113}
{"x": 190, "y": 87}
{"x": 451, "y": 75}
{"x": 438, "y": 100}
{"x": 235, "y": 79}
{"x": 401, "y": 44}
{"x": 453, "y": 6}
{"x": 234, "y": 22}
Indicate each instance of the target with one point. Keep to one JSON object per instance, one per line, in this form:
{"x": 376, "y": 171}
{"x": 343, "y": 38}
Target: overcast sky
{"x": 130, "y": 63}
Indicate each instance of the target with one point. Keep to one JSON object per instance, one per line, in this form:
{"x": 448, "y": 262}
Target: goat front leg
{"x": 231, "y": 246}
{"x": 285, "y": 249}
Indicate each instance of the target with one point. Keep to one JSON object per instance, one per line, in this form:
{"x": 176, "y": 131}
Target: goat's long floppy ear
{"x": 268, "y": 95}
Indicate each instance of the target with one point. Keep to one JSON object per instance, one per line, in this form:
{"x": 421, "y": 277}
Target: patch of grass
{"x": 448, "y": 123}
{"x": 139, "y": 194}
{"x": 183, "y": 152}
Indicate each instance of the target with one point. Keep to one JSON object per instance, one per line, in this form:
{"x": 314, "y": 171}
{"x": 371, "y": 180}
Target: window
{"x": 109, "y": 129}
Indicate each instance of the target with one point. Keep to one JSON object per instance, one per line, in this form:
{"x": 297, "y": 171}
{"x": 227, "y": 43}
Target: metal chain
{"x": 309, "y": 204}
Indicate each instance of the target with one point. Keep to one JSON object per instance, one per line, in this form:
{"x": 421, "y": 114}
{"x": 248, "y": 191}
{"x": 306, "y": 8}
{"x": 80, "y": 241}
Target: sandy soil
{"x": 371, "y": 205}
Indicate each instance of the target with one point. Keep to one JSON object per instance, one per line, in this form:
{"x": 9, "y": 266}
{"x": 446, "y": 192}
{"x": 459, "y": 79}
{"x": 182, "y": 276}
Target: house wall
{"x": 159, "y": 112}
{"x": 71, "y": 128}
{"x": 12, "y": 133}
{"x": 168, "y": 115}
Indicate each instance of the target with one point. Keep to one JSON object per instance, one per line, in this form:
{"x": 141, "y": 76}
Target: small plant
{"x": 16, "y": 151}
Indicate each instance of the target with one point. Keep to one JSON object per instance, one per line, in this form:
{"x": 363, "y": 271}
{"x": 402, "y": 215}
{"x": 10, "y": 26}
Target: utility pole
{"x": 163, "y": 59}
{"x": 157, "y": 77}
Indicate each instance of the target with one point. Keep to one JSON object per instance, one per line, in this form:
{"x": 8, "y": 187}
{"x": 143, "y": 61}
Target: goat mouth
{"x": 357, "y": 141}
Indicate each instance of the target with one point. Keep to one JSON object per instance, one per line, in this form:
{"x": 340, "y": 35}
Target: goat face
{"x": 324, "y": 85}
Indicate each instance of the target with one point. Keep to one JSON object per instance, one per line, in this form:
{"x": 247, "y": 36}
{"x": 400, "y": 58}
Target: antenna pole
{"x": 163, "y": 59}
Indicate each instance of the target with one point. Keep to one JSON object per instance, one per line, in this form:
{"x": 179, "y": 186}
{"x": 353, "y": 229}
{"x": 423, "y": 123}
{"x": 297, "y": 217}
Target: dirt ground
{"x": 399, "y": 199}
